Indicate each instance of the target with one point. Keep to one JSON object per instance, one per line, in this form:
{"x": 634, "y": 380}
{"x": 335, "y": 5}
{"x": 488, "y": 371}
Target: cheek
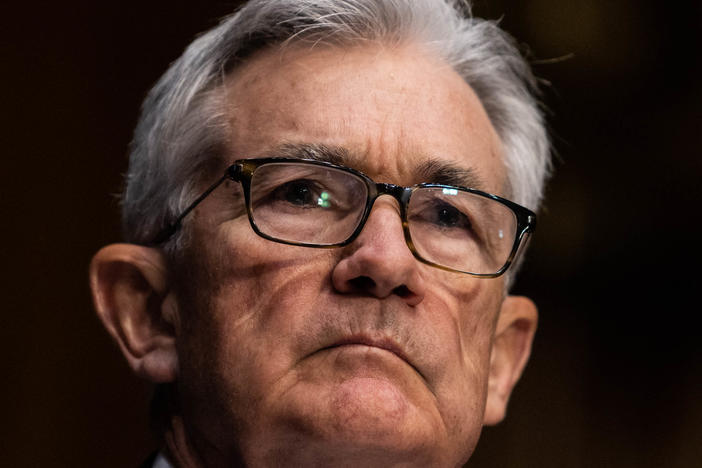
{"x": 250, "y": 300}
{"x": 471, "y": 306}
{"x": 468, "y": 327}
{"x": 264, "y": 287}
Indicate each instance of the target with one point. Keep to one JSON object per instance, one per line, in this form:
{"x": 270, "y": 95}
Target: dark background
{"x": 616, "y": 370}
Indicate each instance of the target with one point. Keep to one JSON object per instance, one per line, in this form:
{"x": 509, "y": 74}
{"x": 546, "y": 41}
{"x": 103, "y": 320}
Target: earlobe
{"x": 511, "y": 347}
{"x": 130, "y": 292}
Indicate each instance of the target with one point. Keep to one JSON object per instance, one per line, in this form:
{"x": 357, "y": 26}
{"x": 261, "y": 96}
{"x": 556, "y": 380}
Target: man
{"x": 320, "y": 236}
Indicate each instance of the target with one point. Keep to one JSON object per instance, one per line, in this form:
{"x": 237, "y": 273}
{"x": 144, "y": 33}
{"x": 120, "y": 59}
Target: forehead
{"x": 391, "y": 108}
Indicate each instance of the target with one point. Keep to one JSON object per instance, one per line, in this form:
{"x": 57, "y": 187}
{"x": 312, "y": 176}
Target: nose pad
{"x": 379, "y": 263}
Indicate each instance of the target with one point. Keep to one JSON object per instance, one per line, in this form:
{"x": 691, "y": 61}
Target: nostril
{"x": 366, "y": 283}
{"x": 402, "y": 291}
{"x": 362, "y": 283}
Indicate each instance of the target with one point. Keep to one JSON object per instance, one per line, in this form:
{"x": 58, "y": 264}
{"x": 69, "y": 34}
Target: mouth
{"x": 383, "y": 344}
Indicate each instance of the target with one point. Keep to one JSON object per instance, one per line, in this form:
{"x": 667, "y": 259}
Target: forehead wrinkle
{"x": 388, "y": 152}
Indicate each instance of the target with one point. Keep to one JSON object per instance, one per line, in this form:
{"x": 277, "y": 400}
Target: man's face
{"x": 347, "y": 350}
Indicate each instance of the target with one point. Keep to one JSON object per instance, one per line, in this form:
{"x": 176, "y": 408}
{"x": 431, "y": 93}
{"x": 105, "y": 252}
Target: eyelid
{"x": 438, "y": 203}
{"x": 317, "y": 189}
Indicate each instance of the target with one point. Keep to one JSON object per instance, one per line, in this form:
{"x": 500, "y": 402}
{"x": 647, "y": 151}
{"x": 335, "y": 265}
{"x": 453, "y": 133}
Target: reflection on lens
{"x": 323, "y": 200}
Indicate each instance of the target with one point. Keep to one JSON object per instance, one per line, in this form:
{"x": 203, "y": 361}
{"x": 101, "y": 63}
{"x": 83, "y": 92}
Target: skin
{"x": 297, "y": 356}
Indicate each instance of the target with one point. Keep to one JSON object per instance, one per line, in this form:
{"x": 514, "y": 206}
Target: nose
{"x": 378, "y": 262}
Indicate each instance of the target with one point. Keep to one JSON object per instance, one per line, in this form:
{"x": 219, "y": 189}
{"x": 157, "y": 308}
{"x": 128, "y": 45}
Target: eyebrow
{"x": 432, "y": 171}
{"x": 442, "y": 172}
{"x": 317, "y": 152}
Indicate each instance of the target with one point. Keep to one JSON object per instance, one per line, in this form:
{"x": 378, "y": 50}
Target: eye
{"x": 438, "y": 214}
{"x": 297, "y": 192}
{"x": 447, "y": 216}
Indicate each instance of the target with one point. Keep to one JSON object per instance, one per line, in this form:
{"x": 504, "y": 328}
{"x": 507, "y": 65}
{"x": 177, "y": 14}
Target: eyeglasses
{"x": 318, "y": 204}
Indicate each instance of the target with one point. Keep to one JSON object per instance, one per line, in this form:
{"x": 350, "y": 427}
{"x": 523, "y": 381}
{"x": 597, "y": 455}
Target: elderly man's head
{"x": 321, "y": 239}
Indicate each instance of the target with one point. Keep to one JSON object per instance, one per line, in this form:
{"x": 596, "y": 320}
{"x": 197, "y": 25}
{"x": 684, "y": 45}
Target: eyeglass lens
{"x": 307, "y": 203}
{"x": 461, "y": 230}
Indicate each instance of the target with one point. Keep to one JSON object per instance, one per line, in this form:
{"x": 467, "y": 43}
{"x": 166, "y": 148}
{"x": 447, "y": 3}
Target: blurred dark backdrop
{"x": 616, "y": 371}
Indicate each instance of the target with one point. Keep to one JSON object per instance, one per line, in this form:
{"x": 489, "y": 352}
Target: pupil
{"x": 298, "y": 194}
{"x": 447, "y": 216}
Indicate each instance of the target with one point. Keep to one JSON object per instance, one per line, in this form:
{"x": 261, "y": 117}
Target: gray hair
{"x": 182, "y": 131}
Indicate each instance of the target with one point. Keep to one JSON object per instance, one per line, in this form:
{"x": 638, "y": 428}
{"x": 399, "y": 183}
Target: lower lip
{"x": 361, "y": 347}
{"x": 357, "y": 355}
{"x": 354, "y": 366}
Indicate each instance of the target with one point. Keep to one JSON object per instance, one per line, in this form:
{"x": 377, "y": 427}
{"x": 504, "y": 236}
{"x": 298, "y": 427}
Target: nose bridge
{"x": 380, "y": 262}
{"x": 384, "y": 226}
{"x": 398, "y": 192}
{"x": 393, "y": 190}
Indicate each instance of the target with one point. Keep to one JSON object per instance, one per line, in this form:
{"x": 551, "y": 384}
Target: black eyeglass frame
{"x": 243, "y": 170}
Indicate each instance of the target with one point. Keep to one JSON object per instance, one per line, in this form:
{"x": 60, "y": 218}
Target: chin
{"x": 354, "y": 447}
{"x": 360, "y": 421}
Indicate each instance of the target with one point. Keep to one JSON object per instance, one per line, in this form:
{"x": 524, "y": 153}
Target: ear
{"x": 130, "y": 292}
{"x": 510, "y": 351}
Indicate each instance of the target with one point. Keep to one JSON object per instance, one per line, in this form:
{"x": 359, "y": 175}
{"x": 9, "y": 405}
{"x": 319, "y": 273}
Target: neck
{"x": 179, "y": 450}
{"x": 184, "y": 446}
